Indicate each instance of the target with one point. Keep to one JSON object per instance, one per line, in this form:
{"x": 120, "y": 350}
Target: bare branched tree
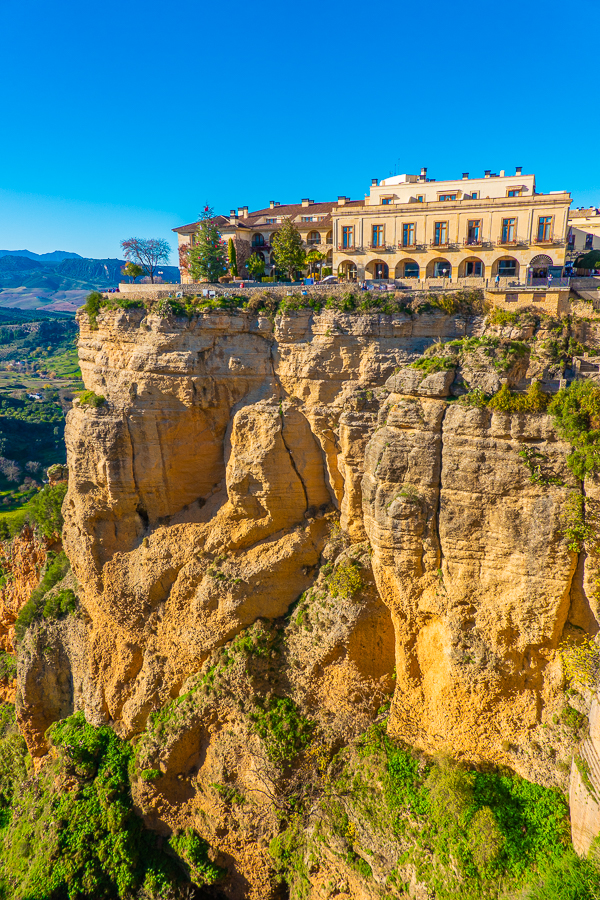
{"x": 148, "y": 253}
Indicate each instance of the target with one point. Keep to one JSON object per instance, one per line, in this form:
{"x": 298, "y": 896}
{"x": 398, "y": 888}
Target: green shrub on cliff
{"x": 57, "y": 567}
{"x": 92, "y": 307}
{"x": 74, "y": 833}
{"x": 91, "y": 399}
{"x": 46, "y": 509}
{"x": 576, "y": 412}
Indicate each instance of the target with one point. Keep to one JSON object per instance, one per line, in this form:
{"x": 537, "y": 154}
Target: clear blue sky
{"x": 124, "y": 118}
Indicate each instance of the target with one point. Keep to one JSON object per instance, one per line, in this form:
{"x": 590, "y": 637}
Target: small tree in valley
{"x": 256, "y": 266}
{"x": 208, "y": 256}
{"x": 132, "y": 270}
{"x": 232, "y": 258}
{"x": 147, "y": 253}
{"x": 287, "y": 248}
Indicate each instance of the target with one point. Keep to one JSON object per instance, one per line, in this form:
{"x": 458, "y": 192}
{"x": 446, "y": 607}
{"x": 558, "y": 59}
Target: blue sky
{"x": 123, "y": 119}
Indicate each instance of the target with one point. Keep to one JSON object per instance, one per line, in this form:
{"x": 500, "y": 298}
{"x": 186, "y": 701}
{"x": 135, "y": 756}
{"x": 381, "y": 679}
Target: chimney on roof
{"x": 341, "y": 201}
{"x": 243, "y": 212}
{"x": 271, "y": 204}
{"x": 277, "y": 203}
{"x": 487, "y": 173}
{"x": 423, "y": 175}
{"x": 233, "y": 217}
{"x": 519, "y": 169}
{"x": 465, "y": 175}
{"x": 306, "y": 202}
{"x": 373, "y": 182}
{"x": 502, "y": 173}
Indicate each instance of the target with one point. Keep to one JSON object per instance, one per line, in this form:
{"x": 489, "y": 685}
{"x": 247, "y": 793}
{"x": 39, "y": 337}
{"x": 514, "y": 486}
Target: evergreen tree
{"x": 232, "y": 258}
{"x": 287, "y": 248}
{"x": 208, "y": 256}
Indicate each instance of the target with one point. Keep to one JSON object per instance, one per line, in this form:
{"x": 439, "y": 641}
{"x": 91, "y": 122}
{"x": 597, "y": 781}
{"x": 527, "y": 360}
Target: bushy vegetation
{"x": 72, "y": 831}
{"x": 430, "y": 364}
{"x": 284, "y": 730}
{"x": 92, "y": 307}
{"x": 345, "y": 580}
{"x": 470, "y": 834}
{"x": 39, "y": 606}
{"x": 576, "y": 413}
{"x": 581, "y": 662}
{"x": 90, "y": 398}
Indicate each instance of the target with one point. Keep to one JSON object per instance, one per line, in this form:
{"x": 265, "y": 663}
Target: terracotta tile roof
{"x": 284, "y": 209}
{"x": 583, "y": 213}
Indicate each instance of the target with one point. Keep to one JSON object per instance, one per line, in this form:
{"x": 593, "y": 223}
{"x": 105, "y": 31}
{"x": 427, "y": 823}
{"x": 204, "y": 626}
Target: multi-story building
{"x": 409, "y": 227}
{"x": 412, "y": 226}
{"x": 252, "y": 231}
{"x": 584, "y": 232}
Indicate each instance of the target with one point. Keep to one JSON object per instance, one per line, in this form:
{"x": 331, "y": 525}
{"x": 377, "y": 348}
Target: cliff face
{"x": 203, "y": 497}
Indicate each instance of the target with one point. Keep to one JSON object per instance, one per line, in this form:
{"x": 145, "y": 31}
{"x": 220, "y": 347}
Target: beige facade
{"x": 252, "y": 231}
{"x": 584, "y": 231}
{"x": 468, "y": 230}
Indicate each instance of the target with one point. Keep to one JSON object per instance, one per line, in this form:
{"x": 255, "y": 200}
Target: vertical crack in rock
{"x": 437, "y": 511}
{"x": 291, "y": 456}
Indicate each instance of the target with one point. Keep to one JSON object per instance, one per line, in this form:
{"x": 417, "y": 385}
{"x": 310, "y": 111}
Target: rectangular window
{"x": 507, "y": 268}
{"x": 511, "y": 298}
{"x": 589, "y": 241}
{"x": 447, "y": 196}
{"x": 420, "y": 198}
{"x": 473, "y": 268}
{"x": 271, "y": 221}
{"x": 306, "y": 218}
{"x": 386, "y": 201}
{"x": 377, "y": 236}
{"x": 544, "y": 228}
{"x": 347, "y": 236}
{"x": 408, "y": 234}
{"x": 475, "y": 195}
{"x": 515, "y": 192}
{"x": 441, "y": 233}
{"x": 508, "y": 230}
{"x": 474, "y": 231}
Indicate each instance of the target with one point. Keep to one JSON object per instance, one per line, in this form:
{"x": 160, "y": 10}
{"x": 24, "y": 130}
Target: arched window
{"x": 411, "y": 270}
{"x": 313, "y": 237}
{"x": 258, "y": 240}
{"x": 442, "y": 268}
{"x": 329, "y": 237}
{"x": 507, "y": 268}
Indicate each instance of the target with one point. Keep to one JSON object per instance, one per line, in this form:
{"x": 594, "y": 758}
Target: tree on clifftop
{"x": 287, "y": 248}
{"x": 208, "y": 256}
{"x": 148, "y": 253}
{"x": 232, "y": 258}
{"x": 132, "y": 270}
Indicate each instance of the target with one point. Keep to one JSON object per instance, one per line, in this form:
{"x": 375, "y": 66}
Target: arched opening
{"x": 539, "y": 266}
{"x": 347, "y": 269}
{"x": 378, "y": 269}
{"x": 408, "y": 268}
{"x": 329, "y": 237}
{"x": 439, "y": 268}
{"x": 260, "y": 254}
{"x": 313, "y": 237}
{"x": 472, "y": 268}
{"x": 506, "y": 267}
{"x": 329, "y": 260}
{"x": 258, "y": 240}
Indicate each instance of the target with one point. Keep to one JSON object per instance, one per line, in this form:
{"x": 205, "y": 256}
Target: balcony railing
{"x": 443, "y": 245}
{"x": 557, "y": 242}
{"x": 414, "y": 248}
{"x": 351, "y": 249}
{"x": 381, "y": 248}
{"x": 473, "y": 242}
{"x": 509, "y": 242}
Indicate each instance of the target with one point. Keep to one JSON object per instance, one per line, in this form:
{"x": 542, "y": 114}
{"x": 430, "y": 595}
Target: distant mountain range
{"x": 30, "y": 281}
{"x": 55, "y": 256}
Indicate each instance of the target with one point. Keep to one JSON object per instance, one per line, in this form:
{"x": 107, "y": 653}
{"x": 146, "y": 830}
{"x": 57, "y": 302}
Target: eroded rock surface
{"x": 203, "y": 501}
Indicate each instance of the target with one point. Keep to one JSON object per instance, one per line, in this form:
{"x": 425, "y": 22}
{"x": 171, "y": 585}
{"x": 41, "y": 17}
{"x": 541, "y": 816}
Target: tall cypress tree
{"x": 232, "y": 258}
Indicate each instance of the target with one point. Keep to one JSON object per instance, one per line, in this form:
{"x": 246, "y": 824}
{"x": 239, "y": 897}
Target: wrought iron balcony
{"x": 509, "y": 242}
{"x": 414, "y": 248}
{"x": 381, "y": 248}
{"x": 443, "y": 245}
{"x": 352, "y": 249}
{"x": 557, "y": 242}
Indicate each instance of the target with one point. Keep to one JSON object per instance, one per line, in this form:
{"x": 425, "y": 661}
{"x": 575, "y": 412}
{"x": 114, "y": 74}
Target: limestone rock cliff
{"x": 203, "y": 501}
